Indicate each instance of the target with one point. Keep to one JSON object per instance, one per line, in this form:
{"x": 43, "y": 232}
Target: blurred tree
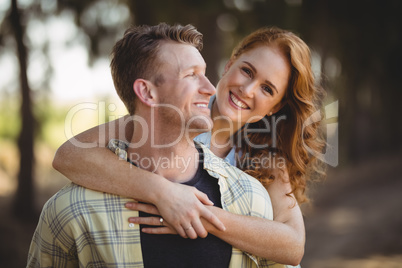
{"x": 101, "y": 30}
{"x": 362, "y": 37}
{"x": 102, "y": 22}
{"x": 23, "y": 203}
{"x": 365, "y": 37}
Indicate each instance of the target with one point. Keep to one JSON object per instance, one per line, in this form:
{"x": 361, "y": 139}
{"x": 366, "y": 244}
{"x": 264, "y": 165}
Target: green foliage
{"x": 363, "y": 36}
{"x": 49, "y": 121}
{"x": 10, "y": 122}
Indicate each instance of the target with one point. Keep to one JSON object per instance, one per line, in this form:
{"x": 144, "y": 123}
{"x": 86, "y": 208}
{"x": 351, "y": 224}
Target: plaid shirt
{"x": 79, "y": 227}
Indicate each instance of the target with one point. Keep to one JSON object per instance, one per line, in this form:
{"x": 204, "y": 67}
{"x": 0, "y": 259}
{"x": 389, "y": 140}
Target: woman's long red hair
{"x": 293, "y": 139}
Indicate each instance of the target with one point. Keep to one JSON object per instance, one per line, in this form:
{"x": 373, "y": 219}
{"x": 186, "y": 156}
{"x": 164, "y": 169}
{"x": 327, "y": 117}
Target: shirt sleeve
{"x": 261, "y": 206}
{"x": 45, "y": 249}
{"x": 260, "y": 202}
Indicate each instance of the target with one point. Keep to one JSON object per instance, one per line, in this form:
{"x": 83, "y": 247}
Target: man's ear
{"x": 145, "y": 92}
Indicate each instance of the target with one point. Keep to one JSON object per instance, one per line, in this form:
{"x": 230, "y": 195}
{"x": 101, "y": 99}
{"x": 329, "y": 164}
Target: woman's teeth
{"x": 238, "y": 102}
{"x": 202, "y": 105}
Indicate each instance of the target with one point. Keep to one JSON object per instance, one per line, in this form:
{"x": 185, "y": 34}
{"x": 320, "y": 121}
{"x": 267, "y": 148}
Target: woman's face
{"x": 253, "y": 85}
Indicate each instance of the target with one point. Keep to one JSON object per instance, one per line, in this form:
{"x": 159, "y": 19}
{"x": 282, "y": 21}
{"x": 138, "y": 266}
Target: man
{"x": 169, "y": 104}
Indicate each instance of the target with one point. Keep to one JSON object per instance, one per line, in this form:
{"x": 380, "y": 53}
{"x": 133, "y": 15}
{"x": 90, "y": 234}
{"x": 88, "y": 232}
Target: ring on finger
{"x": 161, "y": 221}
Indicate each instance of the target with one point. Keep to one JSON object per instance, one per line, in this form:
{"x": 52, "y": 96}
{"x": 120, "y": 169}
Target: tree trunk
{"x": 23, "y": 203}
{"x": 212, "y": 49}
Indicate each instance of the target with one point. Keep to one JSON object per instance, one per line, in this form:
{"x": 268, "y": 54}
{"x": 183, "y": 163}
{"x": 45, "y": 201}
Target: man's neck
{"x": 164, "y": 152}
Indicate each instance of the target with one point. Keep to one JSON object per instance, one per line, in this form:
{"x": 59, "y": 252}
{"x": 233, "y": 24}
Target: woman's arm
{"x": 86, "y": 161}
{"x": 281, "y": 240}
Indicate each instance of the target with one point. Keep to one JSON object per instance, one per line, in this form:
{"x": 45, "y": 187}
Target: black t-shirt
{"x": 175, "y": 251}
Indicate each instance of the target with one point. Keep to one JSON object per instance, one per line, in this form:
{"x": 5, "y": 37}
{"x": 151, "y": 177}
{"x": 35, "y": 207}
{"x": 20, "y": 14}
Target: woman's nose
{"x": 248, "y": 90}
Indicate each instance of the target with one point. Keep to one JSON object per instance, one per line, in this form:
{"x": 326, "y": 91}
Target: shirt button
{"x": 131, "y": 225}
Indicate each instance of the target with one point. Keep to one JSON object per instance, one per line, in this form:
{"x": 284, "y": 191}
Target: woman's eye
{"x": 268, "y": 90}
{"x": 247, "y": 71}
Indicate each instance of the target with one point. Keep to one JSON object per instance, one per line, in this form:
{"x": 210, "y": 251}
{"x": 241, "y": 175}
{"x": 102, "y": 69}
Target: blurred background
{"x": 55, "y": 82}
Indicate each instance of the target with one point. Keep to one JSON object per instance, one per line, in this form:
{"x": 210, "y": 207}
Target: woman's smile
{"x": 235, "y": 101}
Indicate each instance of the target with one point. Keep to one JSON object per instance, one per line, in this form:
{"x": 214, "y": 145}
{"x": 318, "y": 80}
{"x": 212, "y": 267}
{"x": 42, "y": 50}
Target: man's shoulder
{"x": 69, "y": 197}
{"x": 74, "y": 203}
{"x": 217, "y": 164}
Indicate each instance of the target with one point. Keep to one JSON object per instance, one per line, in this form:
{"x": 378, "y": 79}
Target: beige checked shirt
{"x": 79, "y": 227}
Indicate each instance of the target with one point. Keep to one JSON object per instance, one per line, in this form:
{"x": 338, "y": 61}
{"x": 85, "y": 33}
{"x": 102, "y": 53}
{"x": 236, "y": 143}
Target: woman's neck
{"x": 222, "y": 133}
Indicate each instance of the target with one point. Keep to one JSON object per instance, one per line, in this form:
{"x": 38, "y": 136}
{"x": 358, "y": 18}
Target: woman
{"x": 268, "y": 77}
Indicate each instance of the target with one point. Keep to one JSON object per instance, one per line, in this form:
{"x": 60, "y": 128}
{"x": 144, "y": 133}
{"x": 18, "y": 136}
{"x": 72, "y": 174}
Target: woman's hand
{"x": 163, "y": 226}
{"x": 183, "y": 207}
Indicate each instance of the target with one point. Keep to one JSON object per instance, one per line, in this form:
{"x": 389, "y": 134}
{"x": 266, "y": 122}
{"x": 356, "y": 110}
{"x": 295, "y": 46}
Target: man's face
{"x": 184, "y": 95}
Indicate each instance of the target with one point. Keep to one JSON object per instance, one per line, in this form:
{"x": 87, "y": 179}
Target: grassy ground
{"x": 355, "y": 219}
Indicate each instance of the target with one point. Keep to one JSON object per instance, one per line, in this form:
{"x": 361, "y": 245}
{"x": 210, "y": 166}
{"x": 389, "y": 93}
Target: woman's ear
{"x": 227, "y": 67}
{"x": 276, "y": 108}
{"x": 144, "y": 91}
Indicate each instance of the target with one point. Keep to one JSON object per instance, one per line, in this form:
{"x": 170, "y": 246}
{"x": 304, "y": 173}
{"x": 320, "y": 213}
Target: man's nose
{"x": 207, "y": 87}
